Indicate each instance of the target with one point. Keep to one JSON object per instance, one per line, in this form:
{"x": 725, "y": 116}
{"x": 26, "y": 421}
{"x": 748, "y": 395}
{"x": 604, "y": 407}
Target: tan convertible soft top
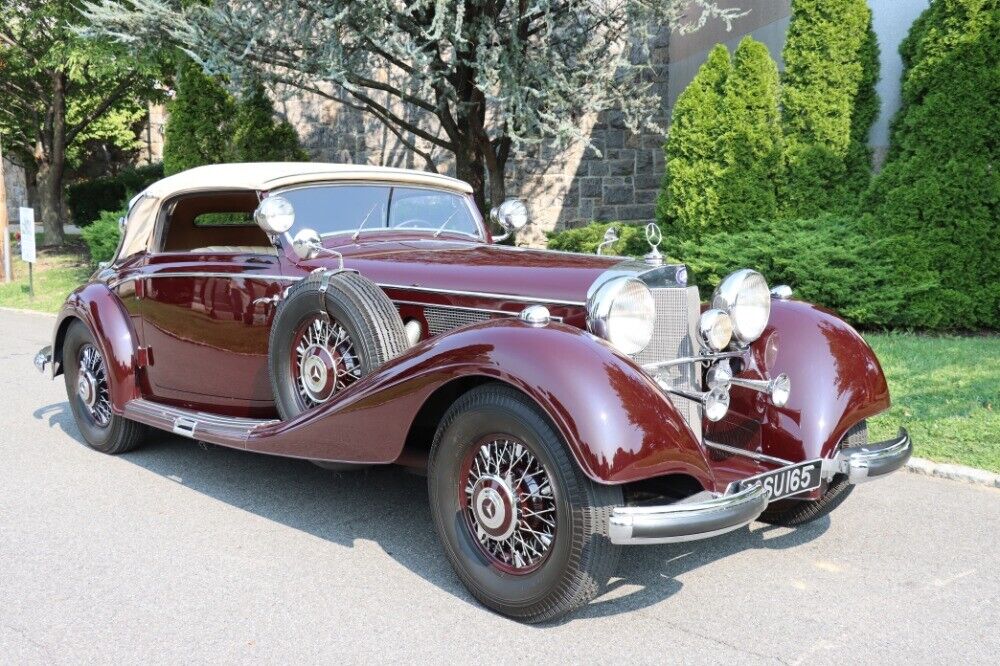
{"x": 260, "y": 177}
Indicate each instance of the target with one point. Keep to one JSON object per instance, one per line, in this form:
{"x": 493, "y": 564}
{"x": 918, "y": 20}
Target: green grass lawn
{"x": 58, "y": 271}
{"x": 945, "y": 390}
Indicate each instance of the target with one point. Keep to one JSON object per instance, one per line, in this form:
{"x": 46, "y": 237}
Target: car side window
{"x": 335, "y": 209}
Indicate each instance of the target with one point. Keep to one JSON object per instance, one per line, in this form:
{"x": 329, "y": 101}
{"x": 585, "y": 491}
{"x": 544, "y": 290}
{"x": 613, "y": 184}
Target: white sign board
{"x": 27, "y": 234}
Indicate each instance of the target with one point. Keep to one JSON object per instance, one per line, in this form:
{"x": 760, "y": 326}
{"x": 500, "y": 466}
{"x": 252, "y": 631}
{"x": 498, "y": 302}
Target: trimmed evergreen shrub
{"x": 103, "y": 235}
{"x": 689, "y": 197}
{"x": 826, "y": 260}
{"x": 831, "y": 65}
{"x": 258, "y": 136}
{"x": 198, "y": 130}
{"x": 937, "y": 200}
{"x": 88, "y": 198}
{"x": 751, "y": 143}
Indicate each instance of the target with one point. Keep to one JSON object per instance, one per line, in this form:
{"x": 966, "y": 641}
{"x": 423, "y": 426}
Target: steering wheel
{"x": 413, "y": 223}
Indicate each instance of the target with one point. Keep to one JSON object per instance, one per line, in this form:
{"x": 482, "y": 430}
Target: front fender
{"x": 101, "y": 310}
{"x": 618, "y": 424}
{"x": 836, "y": 381}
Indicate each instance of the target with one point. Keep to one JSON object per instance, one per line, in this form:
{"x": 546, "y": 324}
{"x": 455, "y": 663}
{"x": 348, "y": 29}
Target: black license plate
{"x": 790, "y": 480}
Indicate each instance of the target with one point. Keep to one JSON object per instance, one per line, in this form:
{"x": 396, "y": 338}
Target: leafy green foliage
{"x": 752, "y": 140}
{"x": 65, "y": 94}
{"x": 937, "y": 200}
{"x": 827, "y": 260}
{"x": 831, "y": 65}
{"x": 197, "y": 131}
{"x": 88, "y": 198}
{"x": 208, "y": 126}
{"x": 103, "y": 235}
{"x": 689, "y": 197}
{"x": 258, "y": 136}
{"x": 723, "y": 153}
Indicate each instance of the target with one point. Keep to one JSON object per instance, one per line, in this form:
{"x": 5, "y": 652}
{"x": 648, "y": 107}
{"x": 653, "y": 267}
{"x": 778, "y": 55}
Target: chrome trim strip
{"x": 481, "y": 294}
{"x": 462, "y": 307}
{"x": 749, "y": 454}
{"x": 204, "y": 274}
{"x": 704, "y": 358}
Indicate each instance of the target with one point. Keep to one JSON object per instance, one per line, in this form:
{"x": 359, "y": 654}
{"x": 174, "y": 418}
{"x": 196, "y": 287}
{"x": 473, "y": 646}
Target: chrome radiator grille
{"x": 677, "y": 312}
{"x": 441, "y": 319}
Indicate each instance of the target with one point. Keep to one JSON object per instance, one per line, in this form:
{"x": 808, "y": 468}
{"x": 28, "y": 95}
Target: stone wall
{"x": 616, "y": 178}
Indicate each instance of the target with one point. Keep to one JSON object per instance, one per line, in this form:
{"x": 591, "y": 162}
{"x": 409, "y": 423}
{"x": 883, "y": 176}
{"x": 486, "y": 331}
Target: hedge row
{"x": 89, "y": 198}
{"x": 827, "y": 260}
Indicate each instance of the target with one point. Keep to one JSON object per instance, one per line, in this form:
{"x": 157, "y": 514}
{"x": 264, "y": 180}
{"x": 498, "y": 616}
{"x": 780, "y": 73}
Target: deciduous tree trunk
{"x": 50, "y": 156}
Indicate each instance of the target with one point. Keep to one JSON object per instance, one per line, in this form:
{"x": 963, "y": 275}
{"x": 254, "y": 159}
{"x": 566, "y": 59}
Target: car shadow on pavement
{"x": 388, "y": 506}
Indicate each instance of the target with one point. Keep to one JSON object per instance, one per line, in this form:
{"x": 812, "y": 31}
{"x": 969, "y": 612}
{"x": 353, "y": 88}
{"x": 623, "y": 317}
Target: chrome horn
{"x": 777, "y": 389}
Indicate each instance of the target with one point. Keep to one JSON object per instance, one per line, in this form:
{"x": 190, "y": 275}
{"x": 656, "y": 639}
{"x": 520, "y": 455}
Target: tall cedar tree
{"x": 258, "y": 135}
{"x": 198, "y": 129}
{"x": 695, "y": 159}
{"x": 937, "y": 199}
{"x": 751, "y": 144}
{"x": 831, "y": 63}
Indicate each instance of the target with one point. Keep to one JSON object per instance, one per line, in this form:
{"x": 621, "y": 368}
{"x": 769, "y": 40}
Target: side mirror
{"x": 121, "y": 223}
{"x": 511, "y": 216}
{"x": 275, "y": 215}
{"x": 610, "y": 237}
{"x": 307, "y": 244}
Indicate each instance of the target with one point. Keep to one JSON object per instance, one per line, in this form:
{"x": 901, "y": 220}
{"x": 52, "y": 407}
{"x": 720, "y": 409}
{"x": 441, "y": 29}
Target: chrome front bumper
{"x": 43, "y": 358}
{"x": 708, "y": 514}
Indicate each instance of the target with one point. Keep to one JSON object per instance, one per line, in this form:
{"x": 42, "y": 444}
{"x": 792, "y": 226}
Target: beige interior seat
{"x": 237, "y": 249}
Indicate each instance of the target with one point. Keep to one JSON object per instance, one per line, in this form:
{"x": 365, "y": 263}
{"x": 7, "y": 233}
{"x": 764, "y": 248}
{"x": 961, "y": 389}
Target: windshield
{"x": 336, "y": 209}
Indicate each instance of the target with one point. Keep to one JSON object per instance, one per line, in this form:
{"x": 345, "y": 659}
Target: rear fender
{"x": 102, "y": 312}
{"x": 618, "y": 424}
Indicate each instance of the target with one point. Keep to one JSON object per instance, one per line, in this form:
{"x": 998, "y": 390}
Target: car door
{"x": 205, "y": 323}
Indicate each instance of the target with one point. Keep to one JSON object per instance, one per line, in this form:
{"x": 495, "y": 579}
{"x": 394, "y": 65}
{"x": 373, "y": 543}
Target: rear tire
{"x": 88, "y": 388}
{"x": 490, "y": 523}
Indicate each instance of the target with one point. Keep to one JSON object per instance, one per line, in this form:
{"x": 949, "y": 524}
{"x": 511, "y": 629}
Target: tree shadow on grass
{"x": 388, "y": 506}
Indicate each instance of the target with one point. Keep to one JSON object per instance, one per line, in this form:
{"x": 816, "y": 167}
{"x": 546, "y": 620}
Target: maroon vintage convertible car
{"x": 561, "y": 404}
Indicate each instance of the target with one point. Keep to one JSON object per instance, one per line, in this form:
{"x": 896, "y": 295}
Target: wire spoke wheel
{"x": 92, "y": 385}
{"x": 324, "y": 360}
{"x": 510, "y": 507}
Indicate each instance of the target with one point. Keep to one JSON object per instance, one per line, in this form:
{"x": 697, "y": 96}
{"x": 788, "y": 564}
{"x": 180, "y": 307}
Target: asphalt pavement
{"x": 183, "y": 552}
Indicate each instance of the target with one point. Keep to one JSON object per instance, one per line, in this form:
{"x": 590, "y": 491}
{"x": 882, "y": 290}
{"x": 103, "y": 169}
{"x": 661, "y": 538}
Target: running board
{"x": 202, "y": 426}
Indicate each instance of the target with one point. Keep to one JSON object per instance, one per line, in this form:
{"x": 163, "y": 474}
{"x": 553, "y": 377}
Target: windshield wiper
{"x": 364, "y": 222}
{"x": 441, "y": 228}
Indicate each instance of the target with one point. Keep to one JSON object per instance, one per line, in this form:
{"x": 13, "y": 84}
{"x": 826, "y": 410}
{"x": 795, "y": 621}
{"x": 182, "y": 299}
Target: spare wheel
{"x": 330, "y": 330}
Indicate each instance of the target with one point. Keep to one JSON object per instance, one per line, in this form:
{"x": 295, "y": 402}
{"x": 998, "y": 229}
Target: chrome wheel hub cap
{"x": 510, "y": 504}
{"x": 493, "y": 508}
{"x": 92, "y": 385}
{"x": 324, "y": 360}
{"x": 86, "y": 388}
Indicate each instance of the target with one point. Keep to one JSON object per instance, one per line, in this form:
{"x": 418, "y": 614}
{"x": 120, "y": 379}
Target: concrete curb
{"x": 27, "y": 312}
{"x": 979, "y": 477}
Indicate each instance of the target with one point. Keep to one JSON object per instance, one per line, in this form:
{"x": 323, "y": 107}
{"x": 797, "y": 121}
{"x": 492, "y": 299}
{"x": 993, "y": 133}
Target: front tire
{"x": 88, "y": 388}
{"x": 523, "y": 527}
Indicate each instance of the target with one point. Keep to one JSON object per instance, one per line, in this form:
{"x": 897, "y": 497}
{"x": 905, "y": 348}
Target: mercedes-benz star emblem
{"x": 654, "y": 237}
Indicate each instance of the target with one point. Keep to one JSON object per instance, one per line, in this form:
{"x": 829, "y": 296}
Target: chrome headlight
{"x": 622, "y": 312}
{"x": 716, "y": 329}
{"x": 744, "y": 296}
